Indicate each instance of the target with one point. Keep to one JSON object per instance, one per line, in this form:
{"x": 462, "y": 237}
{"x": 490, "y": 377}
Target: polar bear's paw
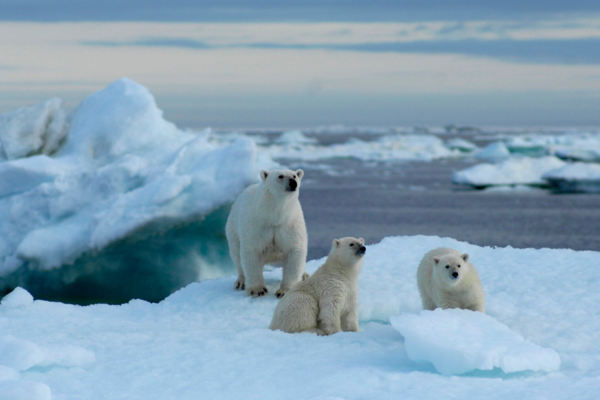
{"x": 305, "y": 276}
{"x": 280, "y": 293}
{"x": 240, "y": 284}
{"x": 257, "y": 291}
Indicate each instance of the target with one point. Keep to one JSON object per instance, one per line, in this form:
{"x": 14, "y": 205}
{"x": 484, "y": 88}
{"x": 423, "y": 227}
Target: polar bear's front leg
{"x": 329, "y": 314}
{"x": 350, "y": 317}
{"x": 253, "y": 270}
{"x": 293, "y": 271}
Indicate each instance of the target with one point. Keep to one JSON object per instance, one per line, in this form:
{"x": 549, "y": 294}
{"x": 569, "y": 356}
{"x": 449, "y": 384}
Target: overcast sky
{"x": 274, "y": 64}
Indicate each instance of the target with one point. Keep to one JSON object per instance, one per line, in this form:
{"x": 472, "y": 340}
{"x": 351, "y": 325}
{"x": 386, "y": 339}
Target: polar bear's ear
{"x": 336, "y": 243}
{"x": 300, "y": 173}
{"x": 361, "y": 240}
{"x": 264, "y": 174}
{"x": 436, "y": 260}
{"x": 465, "y": 257}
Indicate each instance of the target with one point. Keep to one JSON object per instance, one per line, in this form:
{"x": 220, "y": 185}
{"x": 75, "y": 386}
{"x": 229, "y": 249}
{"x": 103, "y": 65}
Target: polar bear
{"x": 327, "y": 302}
{"x": 447, "y": 279}
{"x": 266, "y": 225}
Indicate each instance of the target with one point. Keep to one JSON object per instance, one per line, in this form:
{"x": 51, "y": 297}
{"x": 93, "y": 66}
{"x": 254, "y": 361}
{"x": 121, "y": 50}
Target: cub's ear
{"x": 465, "y": 257}
{"x": 300, "y": 173}
{"x": 361, "y": 240}
{"x": 336, "y": 243}
{"x": 264, "y": 174}
{"x": 436, "y": 260}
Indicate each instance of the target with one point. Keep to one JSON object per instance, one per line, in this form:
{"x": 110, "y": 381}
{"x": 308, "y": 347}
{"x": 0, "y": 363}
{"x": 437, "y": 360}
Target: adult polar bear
{"x": 266, "y": 225}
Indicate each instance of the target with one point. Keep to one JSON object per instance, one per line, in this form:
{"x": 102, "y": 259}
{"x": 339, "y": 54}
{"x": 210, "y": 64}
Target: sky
{"x": 264, "y": 64}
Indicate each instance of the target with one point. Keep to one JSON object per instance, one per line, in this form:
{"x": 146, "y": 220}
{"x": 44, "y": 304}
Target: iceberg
{"x": 458, "y": 341}
{"x": 98, "y": 216}
{"x": 575, "y": 178}
{"x": 513, "y": 171}
{"x": 493, "y": 152}
{"x": 208, "y": 338}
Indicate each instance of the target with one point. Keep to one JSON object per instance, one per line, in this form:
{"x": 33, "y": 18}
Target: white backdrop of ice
{"x": 31, "y": 130}
{"x": 513, "y": 171}
{"x": 210, "y": 340}
{"x": 458, "y": 341}
{"x": 123, "y": 168}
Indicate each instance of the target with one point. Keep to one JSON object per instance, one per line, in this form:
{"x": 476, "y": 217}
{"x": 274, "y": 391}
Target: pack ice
{"x": 88, "y": 217}
{"x": 458, "y": 341}
{"x": 210, "y": 341}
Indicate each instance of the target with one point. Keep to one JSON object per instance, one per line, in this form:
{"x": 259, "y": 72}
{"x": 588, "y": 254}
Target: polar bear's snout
{"x": 454, "y": 275}
{"x": 292, "y": 185}
{"x": 362, "y": 250}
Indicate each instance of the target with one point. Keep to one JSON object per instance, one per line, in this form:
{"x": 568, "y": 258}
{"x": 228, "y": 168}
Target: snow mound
{"x": 461, "y": 144}
{"x": 385, "y": 148}
{"x": 514, "y": 171}
{"x": 294, "y": 137}
{"x": 123, "y": 172}
{"x": 576, "y": 177}
{"x": 24, "y": 390}
{"x": 458, "y": 341}
{"x": 17, "y": 298}
{"x": 493, "y": 152}
{"x": 39, "y": 128}
{"x": 8, "y": 374}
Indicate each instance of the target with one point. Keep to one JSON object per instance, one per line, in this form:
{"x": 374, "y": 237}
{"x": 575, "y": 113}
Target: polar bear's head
{"x": 282, "y": 181}
{"x": 451, "y": 269}
{"x": 348, "y": 250}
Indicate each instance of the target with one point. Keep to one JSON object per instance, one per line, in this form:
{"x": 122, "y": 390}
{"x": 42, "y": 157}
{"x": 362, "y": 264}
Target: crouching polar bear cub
{"x": 266, "y": 225}
{"x": 447, "y": 279}
{"x": 327, "y": 302}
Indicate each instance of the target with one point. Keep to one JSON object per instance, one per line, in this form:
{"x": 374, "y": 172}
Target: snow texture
{"x": 459, "y": 341}
{"x": 493, "y": 152}
{"x": 211, "y": 341}
{"x": 513, "y": 171}
{"x": 122, "y": 171}
{"x": 36, "y": 129}
{"x": 576, "y": 177}
{"x": 17, "y": 298}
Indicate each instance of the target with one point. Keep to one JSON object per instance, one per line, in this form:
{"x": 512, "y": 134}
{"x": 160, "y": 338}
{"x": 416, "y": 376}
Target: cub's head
{"x": 282, "y": 181}
{"x": 349, "y": 250}
{"x": 451, "y": 268}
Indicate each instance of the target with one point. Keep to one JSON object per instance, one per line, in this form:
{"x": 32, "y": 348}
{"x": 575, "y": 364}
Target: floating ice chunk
{"x": 22, "y": 355}
{"x": 514, "y": 171}
{"x": 458, "y": 341}
{"x": 576, "y": 177}
{"x": 579, "y": 154}
{"x": 460, "y": 144}
{"x": 24, "y": 390}
{"x": 496, "y": 151}
{"x": 294, "y": 137}
{"x": 35, "y": 129}
{"x": 17, "y": 298}
{"x": 527, "y": 145}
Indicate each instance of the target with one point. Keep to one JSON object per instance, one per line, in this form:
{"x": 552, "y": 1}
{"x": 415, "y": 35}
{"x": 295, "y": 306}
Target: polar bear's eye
{"x": 351, "y": 244}
{"x": 458, "y": 265}
{"x": 280, "y": 176}
{"x": 447, "y": 266}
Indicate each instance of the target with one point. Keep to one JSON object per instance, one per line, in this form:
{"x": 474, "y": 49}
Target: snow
{"x": 386, "y": 148}
{"x": 24, "y": 390}
{"x": 576, "y": 177}
{"x": 459, "y": 341}
{"x": 39, "y": 128}
{"x": 123, "y": 172}
{"x": 210, "y": 339}
{"x": 17, "y": 298}
{"x": 513, "y": 171}
{"x": 294, "y": 137}
{"x": 493, "y": 152}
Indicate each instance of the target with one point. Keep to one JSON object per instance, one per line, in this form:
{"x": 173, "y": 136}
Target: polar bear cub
{"x": 266, "y": 225}
{"x": 327, "y": 302}
{"x": 447, "y": 279}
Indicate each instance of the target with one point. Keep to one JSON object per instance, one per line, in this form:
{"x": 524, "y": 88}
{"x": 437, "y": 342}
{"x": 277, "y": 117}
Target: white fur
{"x": 439, "y": 289}
{"x": 266, "y": 225}
{"x": 327, "y": 302}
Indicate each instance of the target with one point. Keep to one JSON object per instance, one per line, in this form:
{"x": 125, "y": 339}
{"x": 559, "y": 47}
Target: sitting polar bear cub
{"x": 327, "y": 302}
{"x": 447, "y": 279}
{"x": 266, "y": 225}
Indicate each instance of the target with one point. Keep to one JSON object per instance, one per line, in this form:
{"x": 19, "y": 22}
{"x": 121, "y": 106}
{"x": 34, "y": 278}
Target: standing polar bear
{"x": 327, "y": 302}
{"x": 447, "y": 279}
{"x": 266, "y": 225}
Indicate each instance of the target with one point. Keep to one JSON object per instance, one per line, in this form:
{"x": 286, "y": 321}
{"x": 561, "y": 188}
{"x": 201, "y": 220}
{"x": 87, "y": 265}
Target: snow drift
{"x": 211, "y": 340}
{"x": 88, "y": 217}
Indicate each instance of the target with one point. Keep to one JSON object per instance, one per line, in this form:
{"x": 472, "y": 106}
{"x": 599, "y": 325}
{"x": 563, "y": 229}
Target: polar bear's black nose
{"x": 455, "y": 274}
{"x": 293, "y": 184}
{"x": 361, "y": 250}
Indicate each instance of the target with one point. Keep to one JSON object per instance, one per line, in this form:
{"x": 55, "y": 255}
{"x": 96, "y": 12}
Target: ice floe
{"x": 493, "y": 152}
{"x": 575, "y": 177}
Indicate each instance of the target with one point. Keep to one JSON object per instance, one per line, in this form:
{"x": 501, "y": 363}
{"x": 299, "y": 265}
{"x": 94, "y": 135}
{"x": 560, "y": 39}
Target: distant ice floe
{"x": 513, "y": 171}
{"x": 210, "y": 339}
{"x": 458, "y": 341}
{"x": 575, "y": 178}
{"x": 123, "y": 173}
{"x": 493, "y": 152}
{"x": 294, "y": 137}
{"x": 461, "y": 144}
